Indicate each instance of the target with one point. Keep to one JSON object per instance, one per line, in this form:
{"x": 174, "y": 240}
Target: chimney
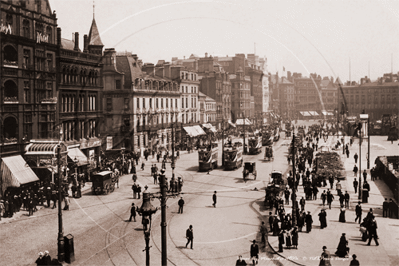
{"x": 148, "y": 68}
{"x": 76, "y": 48}
{"x": 167, "y": 70}
{"x": 206, "y": 54}
{"x": 85, "y": 43}
{"x": 59, "y": 36}
{"x": 289, "y": 77}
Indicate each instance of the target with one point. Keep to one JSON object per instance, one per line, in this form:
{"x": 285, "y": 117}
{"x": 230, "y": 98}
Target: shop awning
{"x": 194, "y": 131}
{"x": 41, "y": 149}
{"x": 77, "y": 154}
{"x": 313, "y": 113}
{"x": 16, "y": 172}
{"x": 327, "y": 113}
{"x": 231, "y": 124}
{"x": 210, "y": 127}
{"x": 241, "y": 122}
{"x": 304, "y": 113}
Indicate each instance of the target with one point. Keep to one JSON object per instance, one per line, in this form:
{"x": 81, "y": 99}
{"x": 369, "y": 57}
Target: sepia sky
{"x": 305, "y": 36}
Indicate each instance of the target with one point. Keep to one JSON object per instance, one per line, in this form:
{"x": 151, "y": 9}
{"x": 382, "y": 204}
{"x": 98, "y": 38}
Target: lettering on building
{"x": 41, "y": 37}
{"x": 5, "y": 28}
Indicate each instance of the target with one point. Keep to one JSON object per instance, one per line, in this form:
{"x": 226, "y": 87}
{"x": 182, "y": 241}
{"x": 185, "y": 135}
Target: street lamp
{"x": 123, "y": 154}
{"x": 146, "y": 211}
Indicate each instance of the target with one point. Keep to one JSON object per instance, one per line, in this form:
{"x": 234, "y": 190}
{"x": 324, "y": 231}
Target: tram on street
{"x": 233, "y": 156}
{"x": 267, "y": 138}
{"x": 208, "y": 157}
{"x": 255, "y": 145}
{"x": 276, "y": 134}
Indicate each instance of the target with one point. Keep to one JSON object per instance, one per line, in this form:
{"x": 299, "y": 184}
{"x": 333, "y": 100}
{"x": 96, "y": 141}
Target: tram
{"x": 255, "y": 145}
{"x": 267, "y": 138}
{"x": 233, "y": 156}
{"x": 208, "y": 157}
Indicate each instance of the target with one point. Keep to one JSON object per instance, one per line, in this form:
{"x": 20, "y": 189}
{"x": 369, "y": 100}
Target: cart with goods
{"x": 249, "y": 168}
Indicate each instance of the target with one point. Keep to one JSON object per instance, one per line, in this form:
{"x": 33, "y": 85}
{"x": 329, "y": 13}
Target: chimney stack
{"x": 76, "y": 48}
{"x": 85, "y": 43}
{"x": 59, "y": 36}
{"x": 206, "y": 54}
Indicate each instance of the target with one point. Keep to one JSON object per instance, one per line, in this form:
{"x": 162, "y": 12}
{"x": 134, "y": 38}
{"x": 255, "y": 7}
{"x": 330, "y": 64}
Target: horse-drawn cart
{"x": 249, "y": 168}
{"x": 269, "y": 153}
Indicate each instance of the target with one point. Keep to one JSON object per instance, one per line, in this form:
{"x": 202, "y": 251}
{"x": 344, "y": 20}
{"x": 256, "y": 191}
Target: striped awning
{"x": 16, "y": 172}
{"x": 75, "y": 154}
{"x": 41, "y": 149}
{"x": 210, "y": 127}
{"x": 194, "y": 131}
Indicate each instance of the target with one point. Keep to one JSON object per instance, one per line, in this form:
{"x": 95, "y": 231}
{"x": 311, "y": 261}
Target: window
{"x": 118, "y": 84}
{"x": 26, "y": 28}
{"x": 126, "y": 103}
{"x": 187, "y": 102}
{"x": 192, "y": 102}
{"x": 26, "y": 62}
{"x": 138, "y": 103}
{"x": 182, "y": 103}
{"x": 156, "y": 103}
{"x": 26, "y": 92}
{"x": 49, "y": 34}
{"x": 109, "y": 104}
{"x": 161, "y": 102}
{"x": 150, "y": 102}
{"x": 143, "y": 102}
{"x": 176, "y": 103}
{"x": 167, "y": 103}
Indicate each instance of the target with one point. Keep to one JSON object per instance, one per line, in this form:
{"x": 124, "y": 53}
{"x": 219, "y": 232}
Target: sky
{"x": 338, "y": 38}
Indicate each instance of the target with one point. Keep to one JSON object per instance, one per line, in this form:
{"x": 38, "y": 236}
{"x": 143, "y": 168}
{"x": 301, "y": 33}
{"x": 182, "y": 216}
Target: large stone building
{"x": 140, "y": 103}
{"x": 208, "y": 109}
{"x": 375, "y": 98}
{"x": 28, "y": 74}
{"x": 80, "y": 92}
{"x": 242, "y": 101}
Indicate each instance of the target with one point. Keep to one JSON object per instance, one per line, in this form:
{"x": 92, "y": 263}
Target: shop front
{"x": 16, "y": 174}
{"x": 91, "y": 148}
{"x": 192, "y": 138}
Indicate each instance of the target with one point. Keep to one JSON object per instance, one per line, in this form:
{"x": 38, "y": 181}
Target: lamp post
{"x": 293, "y": 180}
{"x": 123, "y": 154}
{"x": 173, "y": 165}
{"x": 146, "y": 211}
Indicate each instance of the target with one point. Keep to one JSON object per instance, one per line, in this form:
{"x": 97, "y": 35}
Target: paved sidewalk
{"x": 310, "y": 244}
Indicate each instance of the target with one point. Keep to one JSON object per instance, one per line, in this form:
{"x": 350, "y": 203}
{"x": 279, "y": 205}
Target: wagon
{"x": 103, "y": 182}
{"x": 249, "y": 168}
{"x": 269, "y": 153}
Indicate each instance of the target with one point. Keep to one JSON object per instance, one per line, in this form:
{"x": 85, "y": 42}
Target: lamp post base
{"x": 61, "y": 244}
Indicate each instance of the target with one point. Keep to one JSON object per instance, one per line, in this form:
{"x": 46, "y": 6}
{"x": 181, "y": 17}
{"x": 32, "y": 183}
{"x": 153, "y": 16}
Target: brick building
{"x": 242, "y": 102}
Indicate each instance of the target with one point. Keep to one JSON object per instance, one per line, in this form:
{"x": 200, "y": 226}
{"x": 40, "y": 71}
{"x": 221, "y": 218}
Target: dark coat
{"x": 190, "y": 234}
{"x": 254, "y": 250}
{"x": 180, "y": 202}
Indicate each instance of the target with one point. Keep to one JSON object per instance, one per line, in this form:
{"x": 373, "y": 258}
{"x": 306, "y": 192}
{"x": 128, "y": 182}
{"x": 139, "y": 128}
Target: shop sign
{"x": 110, "y": 143}
{"x": 5, "y": 29}
{"x": 41, "y": 37}
{"x": 94, "y": 143}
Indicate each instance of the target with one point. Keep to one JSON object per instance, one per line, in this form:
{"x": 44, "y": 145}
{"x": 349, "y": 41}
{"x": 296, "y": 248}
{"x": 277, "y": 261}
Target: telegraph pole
{"x": 173, "y": 152}
{"x": 244, "y": 134}
{"x": 360, "y": 162}
{"x": 223, "y": 141}
{"x": 163, "y": 221}
{"x": 61, "y": 254}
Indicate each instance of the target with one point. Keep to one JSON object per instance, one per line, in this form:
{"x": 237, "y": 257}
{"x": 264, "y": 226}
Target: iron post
{"x": 163, "y": 222}
{"x": 61, "y": 253}
{"x": 368, "y": 143}
{"x": 294, "y": 183}
{"x": 360, "y": 163}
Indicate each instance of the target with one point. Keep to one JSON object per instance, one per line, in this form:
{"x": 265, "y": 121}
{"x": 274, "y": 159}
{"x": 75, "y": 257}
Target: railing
{"x": 49, "y": 100}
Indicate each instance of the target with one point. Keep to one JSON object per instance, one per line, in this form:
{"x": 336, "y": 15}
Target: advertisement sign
{"x": 110, "y": 144}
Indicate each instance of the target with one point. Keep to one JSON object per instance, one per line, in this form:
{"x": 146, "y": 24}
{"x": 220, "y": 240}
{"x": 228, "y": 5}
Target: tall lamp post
{"x": 146, "y": 211}
{"x": 293, "y": 180}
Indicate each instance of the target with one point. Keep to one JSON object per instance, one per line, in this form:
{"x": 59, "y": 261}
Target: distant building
{"x": 208, "y": 109}
{"x": 242, "y": 101}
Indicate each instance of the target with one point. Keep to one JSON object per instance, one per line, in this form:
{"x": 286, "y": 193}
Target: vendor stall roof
{"x": 241, "y": 122}
{"x": 77, "y": 154}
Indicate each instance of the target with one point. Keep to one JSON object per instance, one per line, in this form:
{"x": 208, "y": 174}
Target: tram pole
{"x": 61, "y": 253}
{"x": 294, "y": 183}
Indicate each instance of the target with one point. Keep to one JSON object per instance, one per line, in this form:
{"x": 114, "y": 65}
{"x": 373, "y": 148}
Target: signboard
{"x": 110, "y": 144}
{"x": 40, "y": 37}
{"x": 5, "y": 28}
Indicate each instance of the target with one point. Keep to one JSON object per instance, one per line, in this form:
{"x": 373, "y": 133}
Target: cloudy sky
{"x": 306, "y": 36}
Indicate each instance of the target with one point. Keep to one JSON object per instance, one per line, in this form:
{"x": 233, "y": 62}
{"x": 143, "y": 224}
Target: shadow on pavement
{"x": 192, "y": 168}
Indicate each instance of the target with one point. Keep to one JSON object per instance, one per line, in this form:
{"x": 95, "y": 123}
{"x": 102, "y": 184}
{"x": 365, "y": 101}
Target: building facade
{"x": 141, "y": 103}
{"x": 28, "y": 74}
{"x": 80, "y": 111}
{"x": 242, "y": 101}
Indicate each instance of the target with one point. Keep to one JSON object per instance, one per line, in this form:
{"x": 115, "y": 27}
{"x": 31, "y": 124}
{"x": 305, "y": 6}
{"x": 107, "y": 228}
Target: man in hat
{"x": 263, "y": 232}
{"x": 132, "y": 213}
{"x": 181, "y": 204}
{"x": 46, "y": 258}
{"x": 354, "y": 261}
{"x": 325, "y": 257}
{"x": 358, "y": 211}
{"x": 254, "y": 252}
{"x": 190, "y": 236}
{"x": 39, "y": 260}
{"x": 309, "y": 222}
{"x": 214, "y": 197}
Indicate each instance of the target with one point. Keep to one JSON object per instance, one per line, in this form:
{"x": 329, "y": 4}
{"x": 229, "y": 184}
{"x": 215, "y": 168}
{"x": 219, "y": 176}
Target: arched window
{"x": 10, "y": 55}
{"x": 26, "y": 28}
{"x": 10, "y": 91}
{"x": 9, "y": 19}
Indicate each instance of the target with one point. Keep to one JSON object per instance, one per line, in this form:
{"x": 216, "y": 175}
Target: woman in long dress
{"x": 294, "y": 236}
{"x": 342, "y": 249}
{"x": 288, "y": 239}
{"x": 342, "y": 216}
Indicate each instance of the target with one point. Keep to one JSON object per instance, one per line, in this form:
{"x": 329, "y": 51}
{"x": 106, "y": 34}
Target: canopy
{"x": 304, "y": 113}
{"x": 41, "y": 149}
{"x": 16, "y": 172}
{"x": 313, "y": 113}
{"x": 210, "y": 127}
{"x": 194, "y": 131}
{"x": 231, "y": 123}
{"x": 327, "y": 113}
{"x": 241, "y": 122}
{"x": 77, "y": 154}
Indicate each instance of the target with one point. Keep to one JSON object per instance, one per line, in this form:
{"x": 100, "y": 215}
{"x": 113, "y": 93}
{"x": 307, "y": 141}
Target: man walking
{"x": 347, "y": 197}
{"x": 355, "y": 157}
{"x": 325, "y": 257}
{"x": 358, "y": 211}
{"x": 385, "y": 207}
{"x": 355, "y": 169}
{"x": 181, "y": 204}
{"x": 330, "y": 199}
{"x": 132, "y": 213}
{"x": 263, "y": 232}
{"x": 271, "y": 221}
{"x": 309, "y": 222}
{"x": 338, "y": 187}
{"x": 287, "y": 196}
{"x": 254, "y": 252}
{"x": 323, "y": 197}
{"x": 302, "y": 202}
{"x": 355, "y": 184}
{"x": 373, "y": 232}
{"x": 364, "y": 175}
{"x": 190, "y": 236}
{"x": 214, "y": 197}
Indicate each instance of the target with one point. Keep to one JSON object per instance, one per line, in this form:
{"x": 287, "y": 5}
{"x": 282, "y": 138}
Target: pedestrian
{"x": 309, "y": 222}
{"x": 240, "y": 261}
{"x": 355, "y": 169}
{"x": 372, "y": 228}
{"x": 325, "y": 257}
{"x": 263, "y": 232}
{"x": 364, "y": 175}
{"x": 342, "y": 249}
{"x": 39, "y": 260}
{"x": 302, "y": 202}
{"x": 347, "y": 152}
{"x": 354, "y": 261}
{"x": 134, "y": 178}
{"x": 391, "y": 207}
{"x": 271, "y": 221}
{"x": 338, "y": 187}
{"x": 287, "y": 196}
{"x": 214, "y": 197}
{"x": 355, "y": 184}
{"x": 315, "y": 191}
{"x": 2, "y": 208}
{"x": 301, "y": 221}
{"x": 323, "y": 197}
{"x": 347, "y": 198}
{"x": 254, "y": 252}
{"x": 46, "y": 258}
{"x": 134, "y": 189}
{"x": 358, "y": 211}
{"x": 322, "y": 219}
{"x": 385, "y": 207}
{"x": 138, "y": 191}
{"x": 155, "y": 176}
{"x": 181, "y": 204}
{"x": 331, "y": 180}
{"x": 190, "y": 236}
{"x": 132, "y": 213}
{"x": 142, "y": 166}
{"x": 281, "y": 240}
{"x": 330, "y": 198}
{"x": 288, "y": 243}
{"x": 342, "y": 216}
{"x": 294, "y": 236}
{"x": 355, "y": 157}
